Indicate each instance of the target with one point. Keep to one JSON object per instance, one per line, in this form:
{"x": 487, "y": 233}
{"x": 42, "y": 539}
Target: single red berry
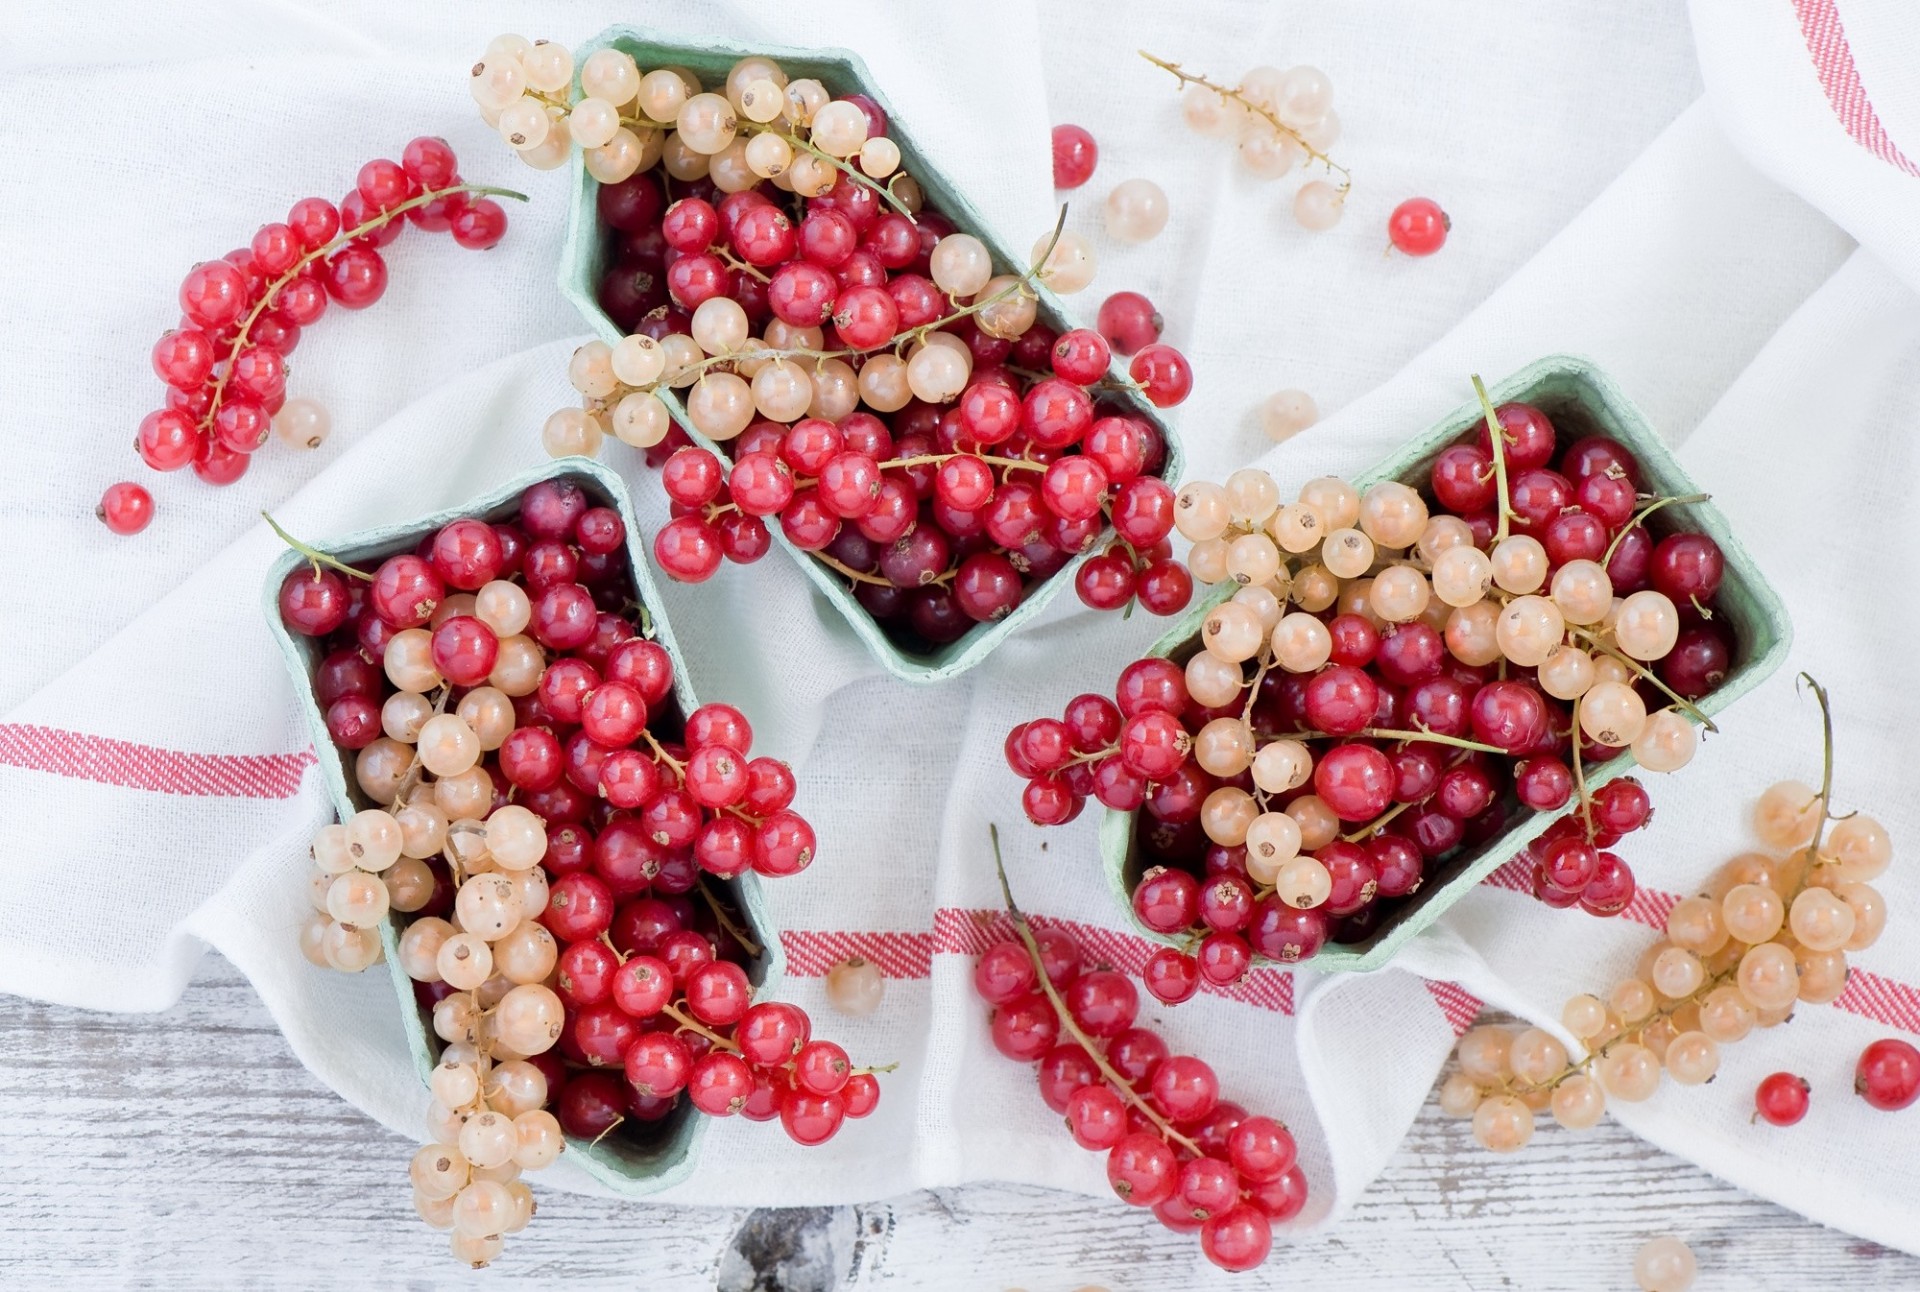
{"x": 125, "y": 508}
{"x": 1782, "y": 1099}
{"x": 1888, "y": 1075}
{"x": 1074, "y": 156}
{"x": 1418, "y": 226}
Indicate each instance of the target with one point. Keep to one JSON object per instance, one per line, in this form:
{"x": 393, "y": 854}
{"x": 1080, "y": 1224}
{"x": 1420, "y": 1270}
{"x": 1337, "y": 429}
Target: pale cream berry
{"x": 487, "y": 906}
{"x": 1263, "y": 601}
{"x": 1319, "y": 825}
{"x": 488, "y": 1140}
{"x": 1314, "y": 587}
{"x": 883, "y": 383}
{"x": 373, "y": 839}
{"x": 529, "y": 953}
{"x": 1318, "y": 206}
{"x": 516, "y": 837}
{"x": 960, "y": 265}
{"x": 1859, "y": 847}
{"x": 1536, "y": 1057}
{"x": 619, "y": 159}
{"x": 810, "y": 176}
{"x": 1578, "y": 1102}
{"x": 518, "y": 668}
{"x": 1869, "y": 913}
{"x": 1584, "y": 1016}
{"x": 439, "y": 1170}
{"x": 302, "y": 423}
{"x": 1528, "y": 630}
{"x": 1519, "y": 564}
{"x": 836, "y": 390}
{"x": 1298, "y": 527}
{"x": 380, "y": 767}
{"x": 1322, "y": 134}
{"x": 448, "y": 745}
{"x": 475, "y": 1251}
{"x": 1566, "y": 672}
{"x": 1629, "y": 1072}
{"x": 1485, "y": 1053}
{"x": 855, "y": 987}
{"x": 1768, "y": 977}
{"x": 1752, "y": 912}
{"x": 1268, "y": 153}
{"x": 1301, "y": 882}
{"x": 805, "y": 97}
{"x": 1069, "y": 266}
{"x": 1462, "y": 576}
{"x": 1664, "y": 1265}
{"x": 707, "y": 123}
{"x": 1347, "y": 553}
{"x": 1725, "y": 1014}
{"x": 1392, "y": 514}
{"x": 1273, "y": 840}
{"x": 1207, "y": 560}
{"x": 524, "y": 123}
{"x": 465, "y": 961}
{"x": 1820, "y": 920}
{"x": 1011, "y": 312}
{"x": 1232, "y": 632}
{"x": 1632, "y": 1000}
{"x": 1608, "y": 669}
{"x": 1208, "y": 112}
{"x": 482, "y": 1209}
{"x": 456, "y": 1017}
{"x": 660, "y": 96}
{"x": 937, "y": 373}
{"x": 496, "y": 82}
{"x": 409, "y": 661}
{"x": 1502, "y": 1124}
{"x": 1612, "y": 713}
{"x": 1666, "y": 743}
{"x": 552, "y": 152}
{"x": 610, "y": 74}
{"x": 358, "y": 899}
{"x": 1285, "y": 413}
{"x": 1676, "y": 973}
{"x": 879, "y": 158}
{"x": 1201, "y": 510}
{"x": 1441, "y": 534}
{"x": 1224, "y": 747}
{"x": 719, "y": 325}
{"x": 1136, "y": 211}
{"x": 1211, "y": 680}
{"x": 1302, "y": 95}
{"x": 839, "y": 129}
{"x": 1335, "y": 501}
{"x": 593, "y": 123}
{"x": 539, "y": 1139}
{"x": 720, "y": 405}
{"x": 420, "y": 947}
{"x": 332, "y": 850}
{"x": 1472, "y": 633}
{"x": 571, "y": 432}
{"x": 1647, "y": 625}
{"x": 1282, "y": 765}
{"x": 1695, "y": 924}
{"x": 1225, "y": 815}
{"x": 1786, "y": 815}
{"x": 1583, "y": 591}
{"x": 1252, "y": 560}
{"x": 528, "y": 1018}
{"x": 1400, "y": 594}
{"x": 1823, "y": 975}
{"x": 641, "y": 420}
{"x": 531, "y": 884}
{"x": 1301, "y": 643}
{"x": 410, "y": 884}
{"x": 350, "y": 948}
{"x": 515, "y": 1087}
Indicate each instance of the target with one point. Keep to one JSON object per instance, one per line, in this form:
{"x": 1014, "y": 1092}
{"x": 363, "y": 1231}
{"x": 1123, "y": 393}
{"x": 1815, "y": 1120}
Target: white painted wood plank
{"x": 191, "y": 1150}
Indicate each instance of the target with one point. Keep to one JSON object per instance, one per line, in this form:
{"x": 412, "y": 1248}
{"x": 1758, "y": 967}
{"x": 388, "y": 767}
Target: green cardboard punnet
{"x": 584, "y": 257}
{"x": 630, "y": 1169}
{"x": 1581, "y": 400}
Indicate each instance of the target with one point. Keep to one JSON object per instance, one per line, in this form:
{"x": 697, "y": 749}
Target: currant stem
{"x": 1826, "y": 771}
{"x": 1579, "y": 771}
{"x": 865, "y": 181}
{"x": 1434, "y": 737}
{"x": 1086, "y": 1043}
{"x": 660, "y": 752}
{"x": 1646, "y": 674}
{"x": 725, "y": 919}
{"x": 1497, "y": 438}
{"x": 1260, "y": 110}
{"x": 690, "y": 1024}
{"x": 1645, "y": 512}
{"x": 314, "y": 555}
{"x": 1374, "y": 825}
{"x": 245, "y": 334}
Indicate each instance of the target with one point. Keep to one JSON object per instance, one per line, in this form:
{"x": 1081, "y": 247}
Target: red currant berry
{"x": 1142, "y": 1169}
{"x": 1418, "y": 226}
{"x": 1074, "y": 156}
{"x": 126, "y": 508}
{"x": 1782, "y": 1099}
{"x": 1888, "y": 1075}
{"x": 1129, "y": 322}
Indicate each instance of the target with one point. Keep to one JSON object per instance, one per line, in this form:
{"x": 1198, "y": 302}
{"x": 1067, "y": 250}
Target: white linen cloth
{"x": 1703, "y": 252}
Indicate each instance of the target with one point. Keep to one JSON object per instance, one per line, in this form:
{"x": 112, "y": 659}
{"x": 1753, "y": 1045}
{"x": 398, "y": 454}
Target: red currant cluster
{"x": 1172, "y": 1144}
{"x": 1468, "y": 661}
{"x": 576, "y": 739}
{"x": 551, "y": 828}
{"x": 225, "y": 366}
{"x": 877, "y": 386}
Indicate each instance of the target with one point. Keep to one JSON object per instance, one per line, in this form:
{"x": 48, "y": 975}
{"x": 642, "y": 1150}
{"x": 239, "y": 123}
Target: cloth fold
{"x": 155, "y": 770}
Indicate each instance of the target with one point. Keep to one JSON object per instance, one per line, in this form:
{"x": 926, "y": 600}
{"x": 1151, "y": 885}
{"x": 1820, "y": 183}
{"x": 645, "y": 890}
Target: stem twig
{"x": 314, "y": 555}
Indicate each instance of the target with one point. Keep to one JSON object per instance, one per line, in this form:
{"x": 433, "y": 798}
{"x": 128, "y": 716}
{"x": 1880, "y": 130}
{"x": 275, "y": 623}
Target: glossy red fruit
{"x": 1782, "y": 1099}
{"x": 1074, "y": 156}
{"x": 1418, "y": 226}
{"x": 126, "y": 508}
{"x": 1888, "y": 1075}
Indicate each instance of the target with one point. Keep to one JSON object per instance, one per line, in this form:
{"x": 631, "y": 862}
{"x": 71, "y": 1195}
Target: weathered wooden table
{"x": 191, "y": 1150}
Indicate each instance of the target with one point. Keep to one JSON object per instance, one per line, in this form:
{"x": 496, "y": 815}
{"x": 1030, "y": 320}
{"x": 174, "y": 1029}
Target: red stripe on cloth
{"x": 79, "y": 756}
{"x": 1459, "y": 1006}
{"x": 1881, "y": 999}
{"x": 963, "y": 932}
{"x": 1832, "y": 56}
